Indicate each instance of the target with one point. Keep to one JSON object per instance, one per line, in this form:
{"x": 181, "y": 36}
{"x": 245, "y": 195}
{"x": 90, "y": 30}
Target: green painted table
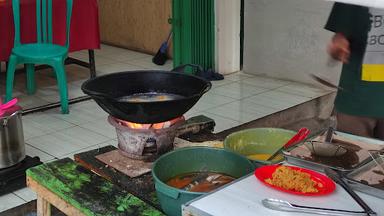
{"x": 75, "y": 190}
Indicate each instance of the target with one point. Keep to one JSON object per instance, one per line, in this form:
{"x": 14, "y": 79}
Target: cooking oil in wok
{"x": 200, "y": 181}
{"x": 149, "y": 97}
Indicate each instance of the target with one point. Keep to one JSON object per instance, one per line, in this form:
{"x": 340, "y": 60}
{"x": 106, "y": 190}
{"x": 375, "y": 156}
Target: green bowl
{"x": 193, "y": 159}
{"x": 257, "y": 144}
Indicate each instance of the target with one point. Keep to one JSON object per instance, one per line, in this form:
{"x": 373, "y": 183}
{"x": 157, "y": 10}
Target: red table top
{"x": 84, "y": 33}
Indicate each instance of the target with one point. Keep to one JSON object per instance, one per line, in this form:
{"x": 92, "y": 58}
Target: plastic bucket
{"x": 258, "y": 143}
{"x": 193, "y": 159}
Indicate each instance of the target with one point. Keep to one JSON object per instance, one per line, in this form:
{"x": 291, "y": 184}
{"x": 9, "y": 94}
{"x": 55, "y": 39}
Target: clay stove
{"x": 145, "y": 141}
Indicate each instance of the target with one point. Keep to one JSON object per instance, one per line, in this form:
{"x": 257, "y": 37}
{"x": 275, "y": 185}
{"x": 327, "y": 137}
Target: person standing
{"x": 358, "y": 43}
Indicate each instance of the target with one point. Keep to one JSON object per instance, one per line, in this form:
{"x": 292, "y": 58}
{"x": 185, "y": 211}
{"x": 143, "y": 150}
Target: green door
{"x": 193, "y": 32}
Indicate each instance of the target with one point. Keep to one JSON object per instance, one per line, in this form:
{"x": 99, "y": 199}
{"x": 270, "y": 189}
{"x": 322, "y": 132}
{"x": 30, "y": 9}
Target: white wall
{"x": 286, "y": 39}
{"x": 227, "y": 36}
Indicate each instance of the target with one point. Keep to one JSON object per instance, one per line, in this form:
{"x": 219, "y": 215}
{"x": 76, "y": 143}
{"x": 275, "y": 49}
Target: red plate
{"x": 329, "y": 186}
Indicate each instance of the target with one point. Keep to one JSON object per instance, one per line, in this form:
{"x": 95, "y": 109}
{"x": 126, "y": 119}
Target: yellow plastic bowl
{"x": 258, "y": 144}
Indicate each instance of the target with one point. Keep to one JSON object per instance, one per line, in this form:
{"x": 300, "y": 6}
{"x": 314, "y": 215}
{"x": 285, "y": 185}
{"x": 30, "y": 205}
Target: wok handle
{"x": 181, "y": 68}
{"x": 207, "y": 88}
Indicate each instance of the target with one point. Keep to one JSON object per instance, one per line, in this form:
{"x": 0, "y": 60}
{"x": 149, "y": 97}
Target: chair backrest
{"x": 43, "y": 21}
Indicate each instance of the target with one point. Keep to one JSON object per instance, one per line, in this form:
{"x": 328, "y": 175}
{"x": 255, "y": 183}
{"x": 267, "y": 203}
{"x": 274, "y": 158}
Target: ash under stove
{"x": 13, "y": 178}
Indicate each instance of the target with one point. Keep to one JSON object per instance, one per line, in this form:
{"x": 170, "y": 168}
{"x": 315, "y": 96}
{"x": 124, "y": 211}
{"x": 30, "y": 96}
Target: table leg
{"x": 92, "y": 66}
{"x": 43, "y": 207}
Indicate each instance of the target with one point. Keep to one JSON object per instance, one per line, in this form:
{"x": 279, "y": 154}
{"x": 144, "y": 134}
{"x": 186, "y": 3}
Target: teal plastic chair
{"x": 41, "y": 52}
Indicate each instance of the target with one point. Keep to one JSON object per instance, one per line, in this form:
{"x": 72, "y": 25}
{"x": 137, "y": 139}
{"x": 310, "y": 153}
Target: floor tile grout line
{"x": 51, "y": 132}
{"x": 25, "y": 201}
{"x": 95, "y": 131}
{"x": 40, "y": 149}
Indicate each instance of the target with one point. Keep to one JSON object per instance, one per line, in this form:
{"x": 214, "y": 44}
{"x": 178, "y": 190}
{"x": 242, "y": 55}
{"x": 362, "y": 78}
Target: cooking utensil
{"x": 281, "y": 205}
{"x": 336, "y": 177}
{"x": 327, "y": 185}
{"x": 192, "y": 159}
{"x": 7, "y": 105}
{"x": 325, "y": 149}
{"x": 378, "y": 158}
{"x": 108, "y": 89}
{"x": 301, "y": 135}
{"x": 258, "y": 144}
{"x": 326, "y": 82}
{"x": 12, "y": 146}
{"x": 329, "y": 135}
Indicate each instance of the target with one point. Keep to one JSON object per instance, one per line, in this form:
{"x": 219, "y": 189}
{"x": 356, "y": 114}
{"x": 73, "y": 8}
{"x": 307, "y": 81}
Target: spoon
{"x": 299, "y": 136}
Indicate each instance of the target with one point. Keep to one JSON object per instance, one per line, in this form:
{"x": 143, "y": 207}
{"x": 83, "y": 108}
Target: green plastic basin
{"x": 258, "y": 141}
{"x": 193, "y": 159}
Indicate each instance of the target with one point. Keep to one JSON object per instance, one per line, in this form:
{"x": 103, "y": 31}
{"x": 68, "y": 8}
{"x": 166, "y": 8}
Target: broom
{"x": 161, "y": 56}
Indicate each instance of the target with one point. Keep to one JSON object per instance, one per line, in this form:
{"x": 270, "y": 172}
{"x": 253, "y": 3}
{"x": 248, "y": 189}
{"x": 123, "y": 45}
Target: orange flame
{"x": 148, "y": 126}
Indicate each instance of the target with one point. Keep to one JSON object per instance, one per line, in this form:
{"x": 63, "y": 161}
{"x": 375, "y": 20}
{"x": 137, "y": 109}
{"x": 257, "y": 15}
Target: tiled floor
{"x": 237, "y": 99}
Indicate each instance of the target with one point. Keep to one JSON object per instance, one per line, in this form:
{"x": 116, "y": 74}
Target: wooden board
{"x": 73, "y": 186}
{"x": 132, "y": 168}
{"x": 142, "y": 186}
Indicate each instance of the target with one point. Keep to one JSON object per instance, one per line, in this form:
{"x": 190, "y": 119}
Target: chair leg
{"x": 31, "y": 86}
{"x": 92, "y": 65}
{"x": 11, "y": 67}
{"x": 62, "y": 83}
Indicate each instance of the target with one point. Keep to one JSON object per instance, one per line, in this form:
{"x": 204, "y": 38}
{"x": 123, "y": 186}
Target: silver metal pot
{"x": 12, "y": 146}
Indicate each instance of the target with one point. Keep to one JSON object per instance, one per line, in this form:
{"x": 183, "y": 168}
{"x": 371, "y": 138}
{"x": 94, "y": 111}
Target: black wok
{"x": 107, "y": 89}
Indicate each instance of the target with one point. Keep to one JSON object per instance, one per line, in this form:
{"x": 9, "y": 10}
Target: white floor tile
{"x": 304, "y": 90}
{"x": 238, "y": 76}
{"x": 285, "y": 98}
{"x": 239, "y": 112}
{"x": 265, "y": 82}
{"x": 215, "y": 99}
{"x": 41, "y": 123}
{"x": 117, "y": 67}
{"x": 218, "y": 83}
{"x": 26, "y": 194}
{"x": 125, "y": 55}
{"x": 32, "y": 151}
{"x": 66, "y": 141}
{"x": 222, "y": 123}
{"x": 9, "y": 201}
{"x": 101, "y": 60}
{"x": 79, "y": 116}
{"x": 73, "y": 92}
{"x": 148, "y": 64}
{"x": 237, "y": 90}
{"x": 101, "y": 127}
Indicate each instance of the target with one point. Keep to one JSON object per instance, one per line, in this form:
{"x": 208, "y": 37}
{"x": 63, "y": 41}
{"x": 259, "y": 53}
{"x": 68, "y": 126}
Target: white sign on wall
{"x": 367, "y": 3}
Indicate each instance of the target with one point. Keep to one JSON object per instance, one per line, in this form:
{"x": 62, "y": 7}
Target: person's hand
{"x": 339, "y": 48}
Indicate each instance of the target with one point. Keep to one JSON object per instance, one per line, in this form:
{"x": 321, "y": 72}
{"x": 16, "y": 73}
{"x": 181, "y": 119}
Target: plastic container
{"x": 258, "y": 144}
{"x": 193, "y": 159}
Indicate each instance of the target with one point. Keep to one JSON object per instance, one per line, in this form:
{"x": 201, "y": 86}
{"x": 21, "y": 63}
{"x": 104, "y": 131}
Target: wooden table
{"x": 75, "y": 190}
